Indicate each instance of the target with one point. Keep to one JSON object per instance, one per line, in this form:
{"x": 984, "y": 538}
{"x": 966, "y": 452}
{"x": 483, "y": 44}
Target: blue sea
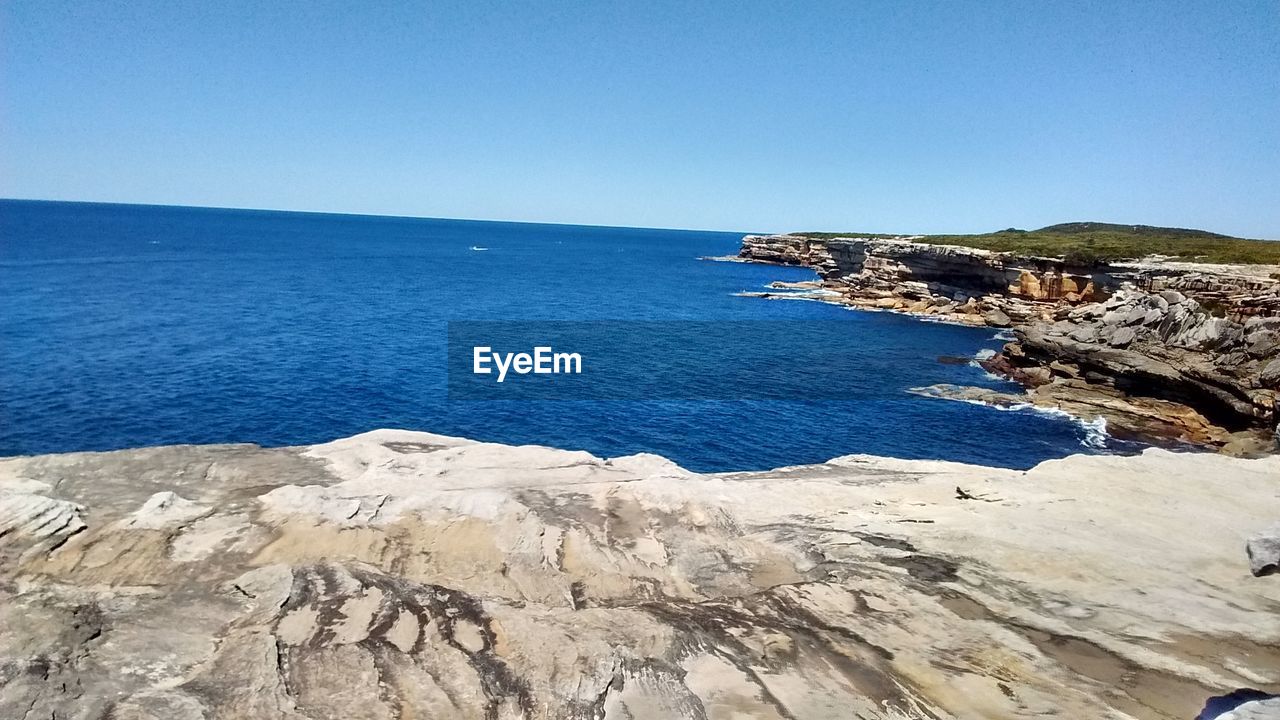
{"x": 125, "y": 326}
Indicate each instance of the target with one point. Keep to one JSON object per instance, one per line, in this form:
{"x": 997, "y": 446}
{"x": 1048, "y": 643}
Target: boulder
{"x": 1265, "y": 343}
{"x": 996, "y": 317}
{"x": 1117, "y": 300}
{"x": 1263, "y": 549}
{"x": 1270, "y": 375}
{"x": 1122, "y": 337}
{"x": 1087, "y": 312}
{"x": 1064, "y": 369}
{"x": 1037, "y": 375}
{"x": 1084, "y": 334}
{"x": 1116, "y": 317}
{"x": 1210, "y": 333}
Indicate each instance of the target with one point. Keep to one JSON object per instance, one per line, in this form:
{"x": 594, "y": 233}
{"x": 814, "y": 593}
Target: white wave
{"x": 796, "y": 295}
{"x": 809, "y": 298}
{"x": 987, "y": 373}
{"x": 1004, "y": 336}
{"x": 810, "y": 292}
{"x": 1012, "y": 407}
{"x": 1095, "y": 430}
{"x": 477, "y": 248}
{"x": 976, "y": 363}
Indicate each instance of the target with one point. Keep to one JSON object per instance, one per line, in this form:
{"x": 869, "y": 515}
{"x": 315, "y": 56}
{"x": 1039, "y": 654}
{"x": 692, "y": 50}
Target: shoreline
{"x": 1168, "y": 351}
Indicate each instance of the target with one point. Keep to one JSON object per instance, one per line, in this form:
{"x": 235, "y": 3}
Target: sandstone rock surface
{"x": 409, "y": 575}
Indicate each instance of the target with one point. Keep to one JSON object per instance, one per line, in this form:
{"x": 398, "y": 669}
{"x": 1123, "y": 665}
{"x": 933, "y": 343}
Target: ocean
{"x": 125, "y": 326}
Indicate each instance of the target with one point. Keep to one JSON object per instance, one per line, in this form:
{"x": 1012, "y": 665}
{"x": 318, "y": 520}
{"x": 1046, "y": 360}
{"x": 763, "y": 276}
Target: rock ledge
{"x": 400, "y": 574}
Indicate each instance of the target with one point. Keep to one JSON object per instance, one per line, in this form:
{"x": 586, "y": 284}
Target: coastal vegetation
{"x": 1089, "y": 242}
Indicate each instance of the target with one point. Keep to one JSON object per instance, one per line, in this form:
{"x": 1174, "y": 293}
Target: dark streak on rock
{"x": 406, "y": 448}
{"x": 712, "y": 624}
{"x": 448, "y": 607}
{"x": 928, "y": 568}
{"x": 578, "y": 594}
{"x": 885, "y": 541}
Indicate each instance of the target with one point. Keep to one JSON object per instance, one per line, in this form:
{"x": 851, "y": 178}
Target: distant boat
{"x": 478, "y": 248}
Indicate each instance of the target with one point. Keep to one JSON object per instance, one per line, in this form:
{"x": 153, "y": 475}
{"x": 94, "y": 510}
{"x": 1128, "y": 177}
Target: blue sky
{"x": 877, "y": 116}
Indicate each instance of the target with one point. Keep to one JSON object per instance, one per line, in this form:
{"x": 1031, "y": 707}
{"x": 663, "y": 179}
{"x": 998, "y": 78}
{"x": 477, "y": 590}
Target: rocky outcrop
{"x": 948, "y": 282}
{"x": 1162, "y": 350}
{"x": 1240, "y": 290}
{"x": 873, "y": 269}
{"x": 1164, "y": 346}
{"x": 900, "y": 273}
{"x": 1123, "y": 417}
{"x": 399, "y": 575}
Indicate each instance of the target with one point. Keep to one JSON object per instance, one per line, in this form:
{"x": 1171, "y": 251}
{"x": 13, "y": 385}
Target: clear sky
{"x": 736, "y": 115}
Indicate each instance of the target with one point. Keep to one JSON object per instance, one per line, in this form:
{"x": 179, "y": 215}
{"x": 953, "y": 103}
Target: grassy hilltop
{"x": 1104, "y": 242}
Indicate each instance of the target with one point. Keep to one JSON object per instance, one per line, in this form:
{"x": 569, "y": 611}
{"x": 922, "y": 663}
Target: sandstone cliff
{"x": 874, "y": 269}
{"x": 1162, "y": 350}
{"x": 409, "y": 575}
{"x": 1165, "y": 346}
{"x": 939, "y": 269}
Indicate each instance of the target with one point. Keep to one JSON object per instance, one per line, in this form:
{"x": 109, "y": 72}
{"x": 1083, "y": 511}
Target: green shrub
{"x": 1090, "y": 243}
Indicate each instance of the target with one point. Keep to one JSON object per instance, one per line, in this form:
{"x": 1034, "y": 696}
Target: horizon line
{"x": 370, "y": 215}
{"x": 573, "y": 224}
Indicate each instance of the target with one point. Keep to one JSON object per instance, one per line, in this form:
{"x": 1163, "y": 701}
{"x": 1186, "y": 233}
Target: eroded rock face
{"x": 1164, "y": 346}
{"x": 871, "y": 261}
{"x": 978, "y": 286}
{"x": 1124, "y": 417}
{"x": 398, "y": 575}
{"x": 1165, "y": 351}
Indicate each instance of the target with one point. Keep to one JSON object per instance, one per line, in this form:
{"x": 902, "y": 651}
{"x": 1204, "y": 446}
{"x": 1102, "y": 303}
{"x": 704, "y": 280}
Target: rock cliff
{"x": 1163, "y": 350}
{"x": 410, "y": 575}
{"x": 1220, "y": 375}
{"x": 878, "y": 267}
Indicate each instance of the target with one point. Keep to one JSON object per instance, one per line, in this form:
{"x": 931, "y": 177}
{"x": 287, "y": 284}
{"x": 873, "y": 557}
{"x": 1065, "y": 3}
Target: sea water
{"x": 125, "y": 325}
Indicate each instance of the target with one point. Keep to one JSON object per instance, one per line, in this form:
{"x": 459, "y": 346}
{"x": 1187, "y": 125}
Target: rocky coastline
{"x": 397, "y": 575}
{"x": 1165, "y": 352}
